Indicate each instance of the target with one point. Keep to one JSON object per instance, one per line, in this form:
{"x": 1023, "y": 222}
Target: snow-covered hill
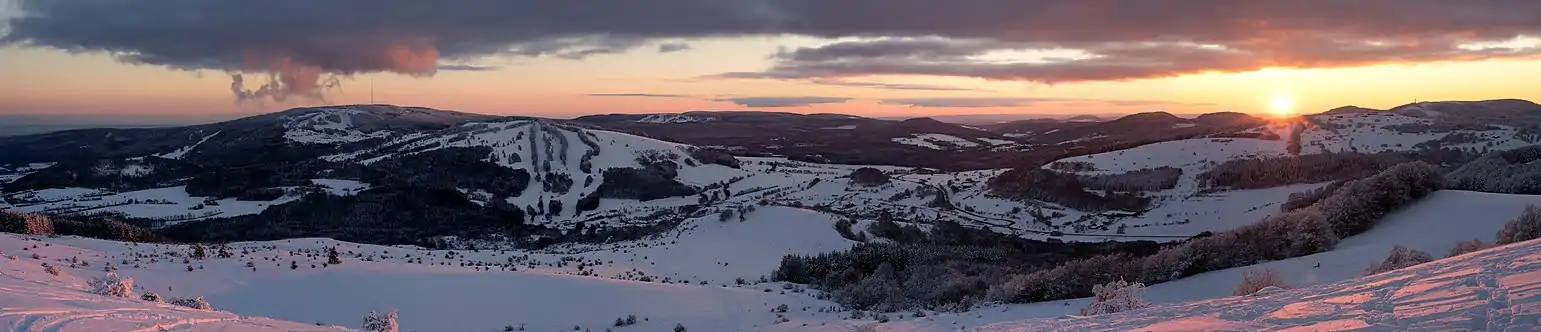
{"x": 566, "y": 165}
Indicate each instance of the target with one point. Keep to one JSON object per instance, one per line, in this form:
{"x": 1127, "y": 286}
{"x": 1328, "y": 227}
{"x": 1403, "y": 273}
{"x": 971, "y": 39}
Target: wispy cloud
{"x": 300, "y": 49}
{"x": 643, "y": 95}
{"x": 783, "y": 101}
{"x": 672, "y": 47}
{"x": 468, "y": 68}
{"x": 890, "y": 86}
{"x": 968, "y": 102}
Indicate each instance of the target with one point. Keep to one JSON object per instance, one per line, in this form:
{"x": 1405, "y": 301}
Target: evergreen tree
{"x": 331, "y": 256}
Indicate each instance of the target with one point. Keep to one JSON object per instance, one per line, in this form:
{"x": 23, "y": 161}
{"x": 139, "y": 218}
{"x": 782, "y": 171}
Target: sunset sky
{"x": 864, "y": 57}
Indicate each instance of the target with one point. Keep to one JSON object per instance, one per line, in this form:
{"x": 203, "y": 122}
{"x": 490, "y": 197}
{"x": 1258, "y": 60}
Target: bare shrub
{"x": 1400, "y": 257}
{"x": 1465, "y": 247}
{"x": 51, "y": 269}
{"x": 1256, "y": 279}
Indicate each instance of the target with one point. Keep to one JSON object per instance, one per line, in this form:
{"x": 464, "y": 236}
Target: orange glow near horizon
{"x": 39, "y": 82}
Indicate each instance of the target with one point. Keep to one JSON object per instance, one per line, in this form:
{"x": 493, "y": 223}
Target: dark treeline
{"x": 1350, "y": 210}
{"x": 1060, "y": 188}
{"x": 1148, "y": 179}
{"x": 92, "y": 227}
{"x": 1315, "y": 168}
{"x": 948, "y": 268}
{"x": 944, "y": 269}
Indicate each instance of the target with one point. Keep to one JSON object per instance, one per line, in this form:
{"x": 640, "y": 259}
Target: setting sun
{"x": 1281, "y": 106}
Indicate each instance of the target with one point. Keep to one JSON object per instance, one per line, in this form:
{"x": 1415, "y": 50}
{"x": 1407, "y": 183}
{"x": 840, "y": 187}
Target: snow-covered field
{"x": 688, "y": 277}
{"x": 590, "y": 286}
{"x": 328, "y": 126}
{"x": 936, "y": 141}
{"x": 171, "y": 204}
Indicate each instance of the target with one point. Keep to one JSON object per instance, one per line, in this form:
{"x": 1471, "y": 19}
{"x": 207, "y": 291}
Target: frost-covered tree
{"x": 1400, "y": 257}
{"x": 150, "y": 296}
{"x": 1523, "y": 228}
{"x": 197, "y": 252}
{"x": 332, "y": 257}
{"x": 679, "y": 327}
{"x": 376, "y": 321}
{"x": 1117, "y": 296}
{"x": 1512, "y": 172}
{"x": 112, "y": 285}
{"x": 1255, "y": 279}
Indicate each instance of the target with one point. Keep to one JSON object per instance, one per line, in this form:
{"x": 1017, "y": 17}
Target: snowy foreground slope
{"x": 689, "y": 277}
{"x": 1493, "y": 290}
{"x": 1432, "y": 225}
{"x": 31, "y": 300}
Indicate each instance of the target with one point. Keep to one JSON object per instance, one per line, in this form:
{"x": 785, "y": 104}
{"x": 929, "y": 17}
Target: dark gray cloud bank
{"x": 302, "y": 46}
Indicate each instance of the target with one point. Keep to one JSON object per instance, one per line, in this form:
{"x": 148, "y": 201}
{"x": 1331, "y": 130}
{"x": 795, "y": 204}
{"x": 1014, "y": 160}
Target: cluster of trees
{"x": 641, "y": 184}
{"x": 948, "y": 268}
{"x": 1060, "y": 188}
{"x": 952, "y": 266}
{"x": 1523, "y": 228}
{"x": 1511, "y": 172}
{"x": 1303, "y": 199}
{"x": 93, "y": 227}
{"x": 1314, "y": 168}
{"x": 1352, "y": 209}
{"x": 451, "y": 169}
{"x": 1148, "y": 179}
{"x": 108, "y": 174}
{"x": 388, "y": 214}
{"x": 714, "y": 156}
{"x": 868, "y": 176}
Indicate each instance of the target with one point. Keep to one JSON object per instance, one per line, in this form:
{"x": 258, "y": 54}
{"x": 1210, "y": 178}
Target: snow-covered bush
{"x": 51, "y": 269}
{"x": 150, "y": 296}
{"x": 1117, "y": 296}
{"x": 380, "y": 321}
{"x": 1525, "y": 227}
{"x": 112, "y": 285}
{"x": 1256, "y": 279}
{"x": 678, "y": 327}
{"x": 1465, "y": 247}
{"x": 193, "y": 302}
{"x": 1400, "y": 257}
